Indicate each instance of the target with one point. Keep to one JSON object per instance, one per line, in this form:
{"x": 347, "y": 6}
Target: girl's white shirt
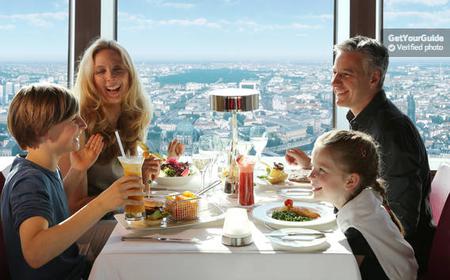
{"x": 366, "y": 213}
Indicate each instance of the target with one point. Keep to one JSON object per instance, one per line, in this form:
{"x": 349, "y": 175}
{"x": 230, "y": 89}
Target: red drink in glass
{"x": 246, "y": 190}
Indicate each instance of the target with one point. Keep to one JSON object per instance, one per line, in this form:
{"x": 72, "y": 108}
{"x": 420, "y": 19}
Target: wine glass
{"x": 258, "y": 138}
{"x": 201, "y": 161}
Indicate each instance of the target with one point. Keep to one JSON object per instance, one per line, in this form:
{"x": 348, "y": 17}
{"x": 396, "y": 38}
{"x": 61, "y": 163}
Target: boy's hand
{"x": 117, "y": 194}
{"x": 298, "y": 157}
{"x": 150, "y": 169}
{"x": 84, "y": 158}
{"x": 175, "y": 149}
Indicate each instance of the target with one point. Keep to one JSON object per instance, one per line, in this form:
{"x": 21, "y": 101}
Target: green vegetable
{"x": 289, "y": 216}
{"x": 169, "y": 172}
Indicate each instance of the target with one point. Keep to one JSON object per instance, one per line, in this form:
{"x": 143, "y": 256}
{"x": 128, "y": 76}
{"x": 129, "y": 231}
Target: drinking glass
{"x": 132, "y": 166}
{"x": 201, "y": 161}
{"x": 258, "y": 137}
{"x": 210, "y": 144}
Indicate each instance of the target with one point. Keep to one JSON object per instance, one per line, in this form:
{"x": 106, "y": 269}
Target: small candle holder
{"x": 237, "y": 230}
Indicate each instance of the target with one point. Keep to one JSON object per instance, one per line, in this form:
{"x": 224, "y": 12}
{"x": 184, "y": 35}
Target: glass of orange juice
{"x": 132, "y": 166}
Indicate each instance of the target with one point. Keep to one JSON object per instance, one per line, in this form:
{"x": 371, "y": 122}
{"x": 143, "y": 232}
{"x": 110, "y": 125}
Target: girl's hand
{"x": 298, "y": 157}
{"x": 150, "y": 169}
{"x": 85, "y": 157}
{"x": 175, "y": 149}
{"x": 117, "y": 194}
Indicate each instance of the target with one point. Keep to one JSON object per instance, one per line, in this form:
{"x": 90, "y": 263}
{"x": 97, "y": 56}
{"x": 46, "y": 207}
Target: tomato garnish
{"x": 289, "y": 203}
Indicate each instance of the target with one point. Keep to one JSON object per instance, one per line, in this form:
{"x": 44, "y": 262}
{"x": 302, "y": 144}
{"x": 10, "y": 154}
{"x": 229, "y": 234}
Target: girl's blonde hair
{"x": 135, "y": 111}
{"x": 357, "y": 152}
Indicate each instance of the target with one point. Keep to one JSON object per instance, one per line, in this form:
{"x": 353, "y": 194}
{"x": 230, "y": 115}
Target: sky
{"x": 203, "y": 30}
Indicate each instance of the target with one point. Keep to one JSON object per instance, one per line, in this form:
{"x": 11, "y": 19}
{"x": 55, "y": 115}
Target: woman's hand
{"x": 175, "y": 149}
{"x": 150, "y": 169}
{"x": 298, "y": 157}
{"x": 117, "y": 194}
{"x": 85, "y": 157}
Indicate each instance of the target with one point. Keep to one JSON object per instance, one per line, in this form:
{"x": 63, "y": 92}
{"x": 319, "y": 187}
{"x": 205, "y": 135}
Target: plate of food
{"x": 175, "y": 211}
{"x": 298, "y": 239}
{"x": 300, "y": 194}
{"x": 276, "y": 176}
{"x": 175, "y": 173}
{"x": 290, "y": 214}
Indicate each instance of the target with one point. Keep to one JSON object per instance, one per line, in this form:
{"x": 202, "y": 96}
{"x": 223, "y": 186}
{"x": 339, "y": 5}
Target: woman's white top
{"x": 366, "y": 213}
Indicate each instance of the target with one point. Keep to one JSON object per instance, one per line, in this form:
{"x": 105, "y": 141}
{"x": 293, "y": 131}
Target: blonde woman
{"x": 111, "y": 98}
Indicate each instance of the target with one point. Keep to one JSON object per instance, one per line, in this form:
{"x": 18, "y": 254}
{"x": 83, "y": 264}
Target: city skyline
{"x": 223, "y": 30}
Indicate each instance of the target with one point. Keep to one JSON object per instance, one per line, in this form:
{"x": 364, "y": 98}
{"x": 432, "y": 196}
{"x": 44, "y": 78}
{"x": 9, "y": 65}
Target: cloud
{"x": 175, "y": 5}
{"x": 40, "y": 20}
{"x": 7, "y": 27}
{"x": 138, "y": 22}
{"x": 178, "y": 5}
{"x": 420, "y": 2}
{"x": 434, "y": 19}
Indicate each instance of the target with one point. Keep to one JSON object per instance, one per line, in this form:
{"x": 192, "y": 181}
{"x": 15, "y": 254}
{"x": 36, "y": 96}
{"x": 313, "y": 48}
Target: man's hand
{"x": 298, "y": 157}
{"x": 85, "y": 157}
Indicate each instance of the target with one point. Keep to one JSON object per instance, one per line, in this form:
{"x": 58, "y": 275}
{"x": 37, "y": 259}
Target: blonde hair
{"x": 357, "y": 152}
{"x": 35, "y": 109}
{"x": 135, "y": 111}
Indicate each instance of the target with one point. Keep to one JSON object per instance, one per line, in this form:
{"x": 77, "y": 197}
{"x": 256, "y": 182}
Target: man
{"x": 358, "y": 75}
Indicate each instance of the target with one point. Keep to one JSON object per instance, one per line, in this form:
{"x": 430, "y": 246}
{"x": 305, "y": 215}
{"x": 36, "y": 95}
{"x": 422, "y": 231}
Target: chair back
{"x": 4, "y": 269}
{"x": 439, "y": 261}
{"x": 440, "y": 188}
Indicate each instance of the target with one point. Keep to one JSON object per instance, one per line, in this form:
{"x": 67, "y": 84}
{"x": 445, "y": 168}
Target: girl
{"x": 345, "y": 170}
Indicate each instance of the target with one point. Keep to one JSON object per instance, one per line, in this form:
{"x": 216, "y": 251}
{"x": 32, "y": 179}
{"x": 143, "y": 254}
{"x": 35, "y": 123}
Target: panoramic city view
{"x": 282, "y": 50}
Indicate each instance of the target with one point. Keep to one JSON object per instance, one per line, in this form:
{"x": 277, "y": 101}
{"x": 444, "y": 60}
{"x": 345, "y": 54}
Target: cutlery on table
{"x": 161, "y": 238}
{"x": 285, "y": 234}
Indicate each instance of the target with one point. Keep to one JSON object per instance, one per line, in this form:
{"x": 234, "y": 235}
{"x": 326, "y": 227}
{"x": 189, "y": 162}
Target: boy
{"x": 39, "y": 234}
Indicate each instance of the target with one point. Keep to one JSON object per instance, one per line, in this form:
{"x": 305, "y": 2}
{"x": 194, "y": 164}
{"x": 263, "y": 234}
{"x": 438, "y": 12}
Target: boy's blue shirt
{"x": 31, "y": 190}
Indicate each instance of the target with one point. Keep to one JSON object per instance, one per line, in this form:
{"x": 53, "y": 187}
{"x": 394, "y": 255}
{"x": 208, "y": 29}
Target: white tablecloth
{"x": 210, "y": 259}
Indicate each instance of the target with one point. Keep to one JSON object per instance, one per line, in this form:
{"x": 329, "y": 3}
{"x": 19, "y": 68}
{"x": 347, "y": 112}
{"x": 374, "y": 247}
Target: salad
{"x": 173, "y": 168}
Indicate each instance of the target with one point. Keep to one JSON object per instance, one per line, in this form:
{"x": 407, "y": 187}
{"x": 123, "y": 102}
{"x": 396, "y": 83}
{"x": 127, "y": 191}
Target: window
{"x": 419, "y": 85}
{"x": 185, "y": 49}
{"x": 33, "y": 49}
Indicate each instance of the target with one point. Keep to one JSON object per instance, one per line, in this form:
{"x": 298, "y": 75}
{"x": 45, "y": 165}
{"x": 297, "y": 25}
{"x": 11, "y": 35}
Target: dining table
{"x": 197, "y": 252}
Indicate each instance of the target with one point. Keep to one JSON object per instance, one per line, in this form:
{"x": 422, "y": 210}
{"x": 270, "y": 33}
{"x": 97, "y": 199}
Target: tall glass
{"x": 258, "y": 137}
{"x": 246, "y": 186}
{"x": 132, "y": 166}
{"x": 201, "y": 161}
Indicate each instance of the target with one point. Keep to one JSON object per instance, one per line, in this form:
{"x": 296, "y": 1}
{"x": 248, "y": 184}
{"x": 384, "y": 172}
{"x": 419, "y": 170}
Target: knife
{"x": 283, "y": 234}
{"x": 160, "y": 238}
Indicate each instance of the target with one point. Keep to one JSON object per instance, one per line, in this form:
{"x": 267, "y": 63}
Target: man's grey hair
{"x": 376, "y": 54}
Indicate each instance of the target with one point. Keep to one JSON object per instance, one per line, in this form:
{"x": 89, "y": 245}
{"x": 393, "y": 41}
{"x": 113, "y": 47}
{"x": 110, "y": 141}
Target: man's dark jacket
{"x": 404, "y": 168}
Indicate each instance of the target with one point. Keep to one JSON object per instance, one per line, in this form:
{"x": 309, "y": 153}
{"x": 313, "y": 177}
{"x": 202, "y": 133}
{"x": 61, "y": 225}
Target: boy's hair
{"x": 358, "y": 152}
{"x": 37, "y": 108}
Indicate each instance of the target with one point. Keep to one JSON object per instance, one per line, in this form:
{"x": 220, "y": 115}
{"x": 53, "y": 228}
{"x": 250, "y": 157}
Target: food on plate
{"x": 147, "y": 153}
{"x": 183, "y": 206}
{"x": 154, "y": 212}
{"x": 173, "y": 168}
{"x": 275, "y": 174}
{"x": 301, "y": 177}
{"x": 292, "y": 213}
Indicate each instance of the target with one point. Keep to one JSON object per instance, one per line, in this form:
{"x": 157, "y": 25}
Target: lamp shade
{"x": 234, "y": 99}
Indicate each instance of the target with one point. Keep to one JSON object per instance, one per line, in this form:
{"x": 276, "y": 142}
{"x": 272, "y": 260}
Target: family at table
{"x": 376, "y": 175}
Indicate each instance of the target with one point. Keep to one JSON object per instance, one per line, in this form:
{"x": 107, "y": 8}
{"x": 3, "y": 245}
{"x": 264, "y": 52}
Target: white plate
{"x": 285, "y": 184}
{"x": 326, "y": 220}
{"x": 300, "y": 194}
{"x": 317, "y": 244}
{"x": 174, "y": 181}
{"x": 207, "y": 213}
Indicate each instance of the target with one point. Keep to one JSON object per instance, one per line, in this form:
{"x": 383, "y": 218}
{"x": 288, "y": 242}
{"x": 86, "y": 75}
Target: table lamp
{"x": 236, "y": 228}
{"x": 233, "y": 100}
